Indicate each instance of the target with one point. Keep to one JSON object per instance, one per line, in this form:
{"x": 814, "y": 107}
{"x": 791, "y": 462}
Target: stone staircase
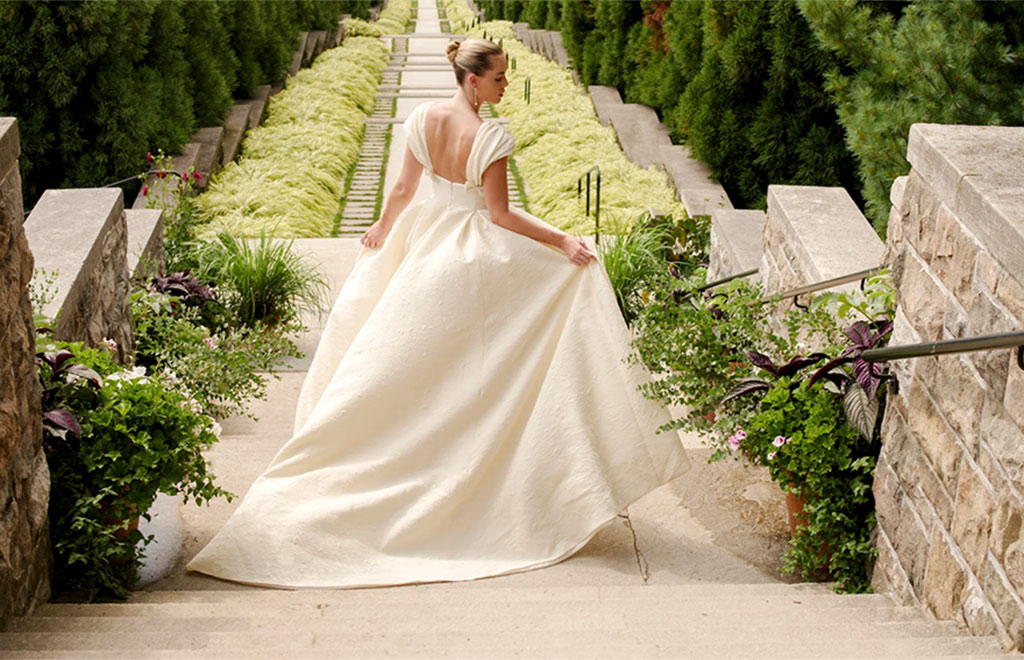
{"x": 478, "y": 620}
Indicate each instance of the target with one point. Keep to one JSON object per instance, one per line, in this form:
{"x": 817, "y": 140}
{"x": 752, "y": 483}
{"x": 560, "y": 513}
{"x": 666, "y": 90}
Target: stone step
{"x": 189, "y": 157}
{"x": 412, "y": 620}
{"x": 715, "y": 595}
{"x": 210, "y": 151}
{"x": 257, "y": 105}
{"x": 620, "y": 650}
{"x": 234, "y": 128}
{"x": 672, "y": 642}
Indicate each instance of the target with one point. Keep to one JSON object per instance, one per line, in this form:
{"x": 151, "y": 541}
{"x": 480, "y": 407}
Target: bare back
{"x": 449, "y": 134}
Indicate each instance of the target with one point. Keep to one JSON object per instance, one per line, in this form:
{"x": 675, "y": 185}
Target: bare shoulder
{"x": 453, "y": 121}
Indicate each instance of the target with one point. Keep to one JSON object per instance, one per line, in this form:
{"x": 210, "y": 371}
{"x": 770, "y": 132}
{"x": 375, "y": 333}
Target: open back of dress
{"x": 467, "y": 413}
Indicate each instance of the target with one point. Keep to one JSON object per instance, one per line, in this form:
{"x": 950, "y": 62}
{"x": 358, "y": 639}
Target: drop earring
{"x": 476, "y": 104}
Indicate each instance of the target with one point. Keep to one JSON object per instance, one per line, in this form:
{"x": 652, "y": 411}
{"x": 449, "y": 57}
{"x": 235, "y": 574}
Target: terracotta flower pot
{"x": 795, "y": 507}
{"x": 797, "y": 518}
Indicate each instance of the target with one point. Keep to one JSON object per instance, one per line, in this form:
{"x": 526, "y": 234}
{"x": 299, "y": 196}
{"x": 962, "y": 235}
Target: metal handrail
{"x": 126, "y": 180}
{"x": 726, "y": 280}
{"x": 861, "y": 275}
{"x": 945, "y": 347}
{"x": 597, "y": 200}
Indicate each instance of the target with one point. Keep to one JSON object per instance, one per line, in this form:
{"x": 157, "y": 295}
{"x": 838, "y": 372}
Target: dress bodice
{"x": 492, "y": 142}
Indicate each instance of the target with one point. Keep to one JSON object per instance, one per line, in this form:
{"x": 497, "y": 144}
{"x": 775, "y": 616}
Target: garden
{"x": 788, "y": 392}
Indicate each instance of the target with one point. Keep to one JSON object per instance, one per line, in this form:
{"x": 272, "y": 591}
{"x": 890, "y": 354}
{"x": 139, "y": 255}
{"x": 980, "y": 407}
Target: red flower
{"x": 149, "y": 157}
{"x": 145, "y": 190}
{"x": 197, "y": 175}
{"x": 161, "y": 174}
{"x": 184, "y": 176}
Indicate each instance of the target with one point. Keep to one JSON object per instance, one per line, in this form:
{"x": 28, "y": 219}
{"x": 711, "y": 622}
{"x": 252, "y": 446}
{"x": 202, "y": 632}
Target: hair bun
{"x": 452, "y": 51}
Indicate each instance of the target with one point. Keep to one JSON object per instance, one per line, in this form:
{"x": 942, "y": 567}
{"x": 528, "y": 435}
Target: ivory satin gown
{"x": 467, "y": 413}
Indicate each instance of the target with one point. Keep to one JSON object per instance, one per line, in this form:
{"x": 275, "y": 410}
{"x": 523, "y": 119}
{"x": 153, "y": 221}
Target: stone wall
{"x": 735, "y": 242}
{"x": 813, "y": 234}
{"x": 81, "y": 235}
{"x": 949, "y": 482}
{"x": 25, "y": 560}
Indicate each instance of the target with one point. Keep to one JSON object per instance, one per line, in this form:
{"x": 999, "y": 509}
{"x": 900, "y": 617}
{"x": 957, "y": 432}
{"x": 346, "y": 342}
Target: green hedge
{"x": 815, "y": 92}
{"x": 95, "y": 85}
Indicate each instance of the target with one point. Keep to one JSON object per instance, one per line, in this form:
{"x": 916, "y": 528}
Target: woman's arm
{"x": 495, "y": 187}
{"x": 398, "y": 198}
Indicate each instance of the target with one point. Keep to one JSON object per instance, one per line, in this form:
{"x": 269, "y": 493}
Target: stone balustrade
{"x": 81, "y": 235}
{"x": 735, "y": 242}
{"x": 949, "y": 487}
{"x": 813, "y": 234}
{"x": 25, "y": 559}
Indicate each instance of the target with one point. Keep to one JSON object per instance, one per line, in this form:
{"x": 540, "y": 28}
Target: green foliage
{"x": 291, "y": 172}
{"x": 635, "y": 263}
{"x": 262, "y": 283}
{"x": 96, "y": 84}
{"x": 694, "y": 344}
{"x": 220, "y": 371}
{"x": 942, "y": 62}
{"x": 138, "y": 438}
{"x": 801, "y": 435}
{"x": 739, "y": 82}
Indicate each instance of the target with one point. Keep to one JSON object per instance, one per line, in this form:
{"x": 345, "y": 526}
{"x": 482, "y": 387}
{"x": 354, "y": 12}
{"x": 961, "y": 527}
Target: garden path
{"x": 684, "y": 574}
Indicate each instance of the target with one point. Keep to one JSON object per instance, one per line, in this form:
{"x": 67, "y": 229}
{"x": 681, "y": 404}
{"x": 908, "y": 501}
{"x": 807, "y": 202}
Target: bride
{"x": 469, "y": 411}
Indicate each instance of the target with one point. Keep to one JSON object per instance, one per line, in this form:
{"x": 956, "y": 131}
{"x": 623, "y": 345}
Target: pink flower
{"x": 111, "y": 344}
{"x": 734, "y": 443}
{"x": 210, "y": 341}
{"x": 149, "y": 157}
{"x": 145, "y": 190}
{"x": 771, "y": 455}
{"x": 779, "y": 441}
{"x": 741, "y": 434}
{"x": 197, "y": 176}
{"x": 184, "y": 176}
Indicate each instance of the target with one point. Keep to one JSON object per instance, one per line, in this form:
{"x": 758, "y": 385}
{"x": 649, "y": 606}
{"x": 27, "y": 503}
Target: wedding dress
{"x": 467, "y": 413}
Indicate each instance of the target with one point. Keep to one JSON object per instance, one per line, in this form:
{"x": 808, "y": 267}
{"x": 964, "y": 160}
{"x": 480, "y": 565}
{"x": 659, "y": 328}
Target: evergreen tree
{"x": 937, "y": 62}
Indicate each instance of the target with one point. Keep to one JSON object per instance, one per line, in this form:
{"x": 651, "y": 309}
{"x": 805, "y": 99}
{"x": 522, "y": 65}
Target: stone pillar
{"x": 949, "y": 482}
{"x": 812, "y": 234}
{"x": 82, "y": 234}
{"x": 25, "y": 558}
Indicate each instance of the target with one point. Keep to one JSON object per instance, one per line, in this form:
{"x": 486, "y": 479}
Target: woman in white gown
{"x": 468, "y": 411}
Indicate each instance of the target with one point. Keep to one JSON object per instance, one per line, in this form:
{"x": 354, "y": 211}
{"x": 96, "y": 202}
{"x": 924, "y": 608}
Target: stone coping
{"x": 827, "y": 232}
{"x": 10, "y": 144}
{"x": 65, "y": 232}
{"x": 145, "y": 237}
{"x": 977, "y": 171}
{"x": 735, "y": 241}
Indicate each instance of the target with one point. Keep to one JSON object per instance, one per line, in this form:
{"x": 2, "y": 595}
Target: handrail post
{"x": 597, "y": 200}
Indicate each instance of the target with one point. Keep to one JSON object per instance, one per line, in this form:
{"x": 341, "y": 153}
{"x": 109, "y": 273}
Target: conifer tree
{"x": 938, "y": 62}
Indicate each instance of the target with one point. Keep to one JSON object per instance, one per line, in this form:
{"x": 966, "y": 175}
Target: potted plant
{"x": 817, "y": 433}
{"x": 113, "y": 438}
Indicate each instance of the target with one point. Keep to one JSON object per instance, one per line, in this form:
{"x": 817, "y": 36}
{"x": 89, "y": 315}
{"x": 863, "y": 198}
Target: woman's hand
{"x": 375, "y": 235}
{"x": 576, "y": 249}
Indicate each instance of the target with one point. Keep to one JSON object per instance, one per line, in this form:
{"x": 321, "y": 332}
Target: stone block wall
{"x": 813, "y": 234}
{"x": 735, "y": 242}
{"x": 25, "y": 559}
{"x": 81, "y": 234}
{"x": 949, "y": 487}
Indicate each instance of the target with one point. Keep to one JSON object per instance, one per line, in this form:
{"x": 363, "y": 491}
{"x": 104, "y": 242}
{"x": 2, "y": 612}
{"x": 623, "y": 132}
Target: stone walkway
{"x": 691, "y": 571}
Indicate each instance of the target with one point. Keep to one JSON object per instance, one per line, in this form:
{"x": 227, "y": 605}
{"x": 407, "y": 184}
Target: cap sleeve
{"x": 414, "y": 135}
{"x": 492, "y": 143}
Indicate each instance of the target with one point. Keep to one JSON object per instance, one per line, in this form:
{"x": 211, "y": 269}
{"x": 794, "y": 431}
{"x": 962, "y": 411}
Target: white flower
{"x": 771, "y": 455}
{"x": 111, "y": 344}
{"x": 779, "y": 441}
{"x": 215, "y": 429}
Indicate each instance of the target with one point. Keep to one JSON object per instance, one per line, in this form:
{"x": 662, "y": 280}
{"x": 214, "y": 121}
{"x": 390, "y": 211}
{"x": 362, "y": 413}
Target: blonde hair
{"x": 471, "y": 56}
